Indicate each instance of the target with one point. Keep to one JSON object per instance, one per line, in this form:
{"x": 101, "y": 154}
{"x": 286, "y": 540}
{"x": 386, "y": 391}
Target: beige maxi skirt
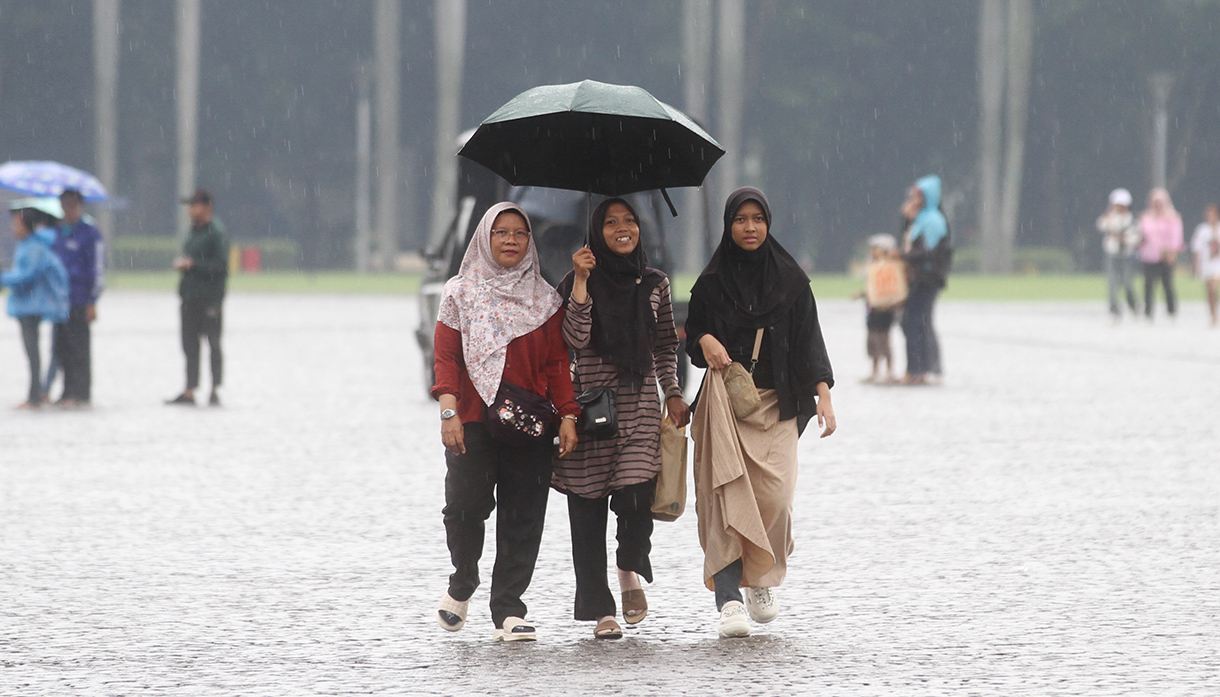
{"x": 745, "y": 478}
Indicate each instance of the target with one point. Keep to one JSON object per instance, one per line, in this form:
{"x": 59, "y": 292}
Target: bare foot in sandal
{"x": 607, "y": 628}
{"x": 635, "y": 605}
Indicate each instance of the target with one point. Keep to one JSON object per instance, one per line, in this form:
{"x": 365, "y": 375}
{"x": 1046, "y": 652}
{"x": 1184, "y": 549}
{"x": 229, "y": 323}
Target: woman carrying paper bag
{"x": 745, "y": 466}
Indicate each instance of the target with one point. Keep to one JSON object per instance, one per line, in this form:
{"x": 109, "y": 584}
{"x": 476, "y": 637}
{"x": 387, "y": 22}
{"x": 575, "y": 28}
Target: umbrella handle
{"x": 672, "y": 211}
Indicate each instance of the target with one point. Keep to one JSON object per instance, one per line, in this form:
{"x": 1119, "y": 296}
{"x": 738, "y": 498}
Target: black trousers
{"x": 923, "y": 347}
{"x": 73, "y": 352}
{"x": 202, "y": 318}
{"x": 1163, "y": 272}
{"x": 727, "y": 584}
{"x": 29, "y": 339}
{"x": 513, "y": 481}
{"x": 633, "y": 507}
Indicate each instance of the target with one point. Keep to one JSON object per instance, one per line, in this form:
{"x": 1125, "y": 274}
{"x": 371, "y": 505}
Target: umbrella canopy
{"x": 48, "y": 178}
{"x": 594, "y": 137}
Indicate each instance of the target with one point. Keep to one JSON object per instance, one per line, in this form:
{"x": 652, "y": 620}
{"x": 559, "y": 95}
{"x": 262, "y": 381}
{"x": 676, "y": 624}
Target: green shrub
{"x": 158, "y": 253}
{"x": 1026, "y": 260}
{"x": 144, "y": 253}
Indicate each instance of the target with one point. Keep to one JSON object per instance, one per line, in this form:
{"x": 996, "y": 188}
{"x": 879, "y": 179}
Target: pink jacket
{"x": 1161, "y": 235}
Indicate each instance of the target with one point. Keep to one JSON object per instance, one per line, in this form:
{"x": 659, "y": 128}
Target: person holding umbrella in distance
{"x": 38, "y": 282}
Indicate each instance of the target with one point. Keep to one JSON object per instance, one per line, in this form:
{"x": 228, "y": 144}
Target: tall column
{"x": 1020, "y": 52}
{"x": 386, "y": 49}
{"x": 730, "y": 72}
{"x": 1161, "y": 85}
{"x": 991, "y": 101}
{"x": 106, "y": 102}
{"x": 450, "y": 41}
{"x": 696, "y": 76}
{"x": 187, "y": 102}
{"x": 364, "y": 165}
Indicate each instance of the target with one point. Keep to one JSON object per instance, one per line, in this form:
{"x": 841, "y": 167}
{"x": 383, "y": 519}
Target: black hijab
{"x": 624, "y": 327}
{"x": 758, "y": 286}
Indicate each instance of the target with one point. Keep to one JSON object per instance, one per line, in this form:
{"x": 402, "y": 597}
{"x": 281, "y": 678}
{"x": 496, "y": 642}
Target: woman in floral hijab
{"x": 499, "y": 329}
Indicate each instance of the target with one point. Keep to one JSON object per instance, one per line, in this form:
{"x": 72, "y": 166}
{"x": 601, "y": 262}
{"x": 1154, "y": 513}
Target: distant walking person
{"x": 503, "y": 382}
{"x": 1161, "y": 227}
{"x": 204, "y": 266}
{"x": 752, "y": 305}
{"x": 1206, "y": 248}
{"x": 926, "y": 249}
{"x": 79, "y": 246}
{"x": 38, "y": 283}
{"x": 1120, "y": 240}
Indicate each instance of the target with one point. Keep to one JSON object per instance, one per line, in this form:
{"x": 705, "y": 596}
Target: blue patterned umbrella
{"x": 47, "y": 178}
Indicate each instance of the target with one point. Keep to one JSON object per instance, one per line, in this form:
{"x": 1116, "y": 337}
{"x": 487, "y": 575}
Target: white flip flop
{"x": 454, "y": 609}
{"x": 515, "y": 629}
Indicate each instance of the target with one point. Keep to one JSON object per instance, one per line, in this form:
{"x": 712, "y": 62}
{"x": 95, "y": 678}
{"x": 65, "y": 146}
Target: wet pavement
{"x": 1045, "y": 523}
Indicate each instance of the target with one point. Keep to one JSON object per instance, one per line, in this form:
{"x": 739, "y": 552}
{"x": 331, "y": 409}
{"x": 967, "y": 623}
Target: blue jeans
{"x": 29, "y": 338}
{"x": 923, "y": 348}
{"x": 1120, "y": 274}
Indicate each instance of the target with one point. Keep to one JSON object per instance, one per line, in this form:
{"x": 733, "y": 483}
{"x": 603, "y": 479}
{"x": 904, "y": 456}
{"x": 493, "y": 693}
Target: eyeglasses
{"x": 505, "y": 234}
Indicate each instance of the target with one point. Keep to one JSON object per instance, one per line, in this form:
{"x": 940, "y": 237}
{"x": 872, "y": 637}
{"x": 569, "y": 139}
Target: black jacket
{"x": 793, "y": 350}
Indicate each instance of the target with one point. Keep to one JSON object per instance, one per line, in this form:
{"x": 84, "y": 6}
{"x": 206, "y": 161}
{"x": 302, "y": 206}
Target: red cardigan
{"x": 537, "y": 361}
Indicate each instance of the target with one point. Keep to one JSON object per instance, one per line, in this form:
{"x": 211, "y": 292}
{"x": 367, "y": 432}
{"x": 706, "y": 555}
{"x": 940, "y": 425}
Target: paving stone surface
{"x": 1045, "y": 523}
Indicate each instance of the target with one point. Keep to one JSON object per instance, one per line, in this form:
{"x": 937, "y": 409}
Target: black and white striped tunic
{"x": 599, "y": 467}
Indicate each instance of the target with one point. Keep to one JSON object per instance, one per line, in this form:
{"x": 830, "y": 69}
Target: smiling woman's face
{"x": 749, "y": 226}
{"x": 620, "y": 229}
{"x": 510, "y": 238}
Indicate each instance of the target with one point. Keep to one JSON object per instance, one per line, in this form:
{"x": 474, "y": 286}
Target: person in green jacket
{"x": 204, "y": 266}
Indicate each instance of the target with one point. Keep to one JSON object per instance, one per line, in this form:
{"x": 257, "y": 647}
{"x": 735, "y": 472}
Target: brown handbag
{"x": 669, "y": 500}
{"x": 739, "y": 383}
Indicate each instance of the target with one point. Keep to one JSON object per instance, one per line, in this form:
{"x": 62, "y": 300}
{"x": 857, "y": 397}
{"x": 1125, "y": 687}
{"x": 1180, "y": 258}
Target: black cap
{"x": 200, "y": 196}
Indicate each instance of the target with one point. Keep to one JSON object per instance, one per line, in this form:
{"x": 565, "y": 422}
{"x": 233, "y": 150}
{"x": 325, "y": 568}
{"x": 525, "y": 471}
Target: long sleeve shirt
{"x": 537, "y": 361}
{"x": 208, "y": 249}
{"x": 1162, "y": 235}
{"x": 79, "y": 247}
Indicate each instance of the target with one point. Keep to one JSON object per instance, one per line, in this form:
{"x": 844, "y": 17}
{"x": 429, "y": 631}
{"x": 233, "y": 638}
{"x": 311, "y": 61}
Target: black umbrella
{"x": 593, "y": 137}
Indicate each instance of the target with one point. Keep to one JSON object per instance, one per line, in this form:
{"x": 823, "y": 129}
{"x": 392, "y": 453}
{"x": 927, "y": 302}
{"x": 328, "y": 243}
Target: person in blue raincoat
{"x": 927, "y": 251}
{"x": 38, "y": 281}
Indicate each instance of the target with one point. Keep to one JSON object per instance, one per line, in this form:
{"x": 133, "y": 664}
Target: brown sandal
{"x": 635, "y": 606}
{"x": 608, "y": 629}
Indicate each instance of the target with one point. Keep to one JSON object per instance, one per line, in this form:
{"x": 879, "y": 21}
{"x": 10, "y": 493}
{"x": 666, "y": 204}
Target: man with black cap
{"x": 79, "y": 247}
{"x": 204, "y": 266}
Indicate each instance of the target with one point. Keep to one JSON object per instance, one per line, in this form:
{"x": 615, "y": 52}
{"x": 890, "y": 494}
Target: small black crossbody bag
{"x": 598, "y": 412}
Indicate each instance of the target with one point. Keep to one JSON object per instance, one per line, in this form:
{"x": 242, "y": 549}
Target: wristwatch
{"x": 447, "y": 414}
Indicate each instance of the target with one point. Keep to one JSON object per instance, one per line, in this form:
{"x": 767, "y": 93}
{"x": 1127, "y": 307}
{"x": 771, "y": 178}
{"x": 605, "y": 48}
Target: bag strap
{"x": 757, "y": 347}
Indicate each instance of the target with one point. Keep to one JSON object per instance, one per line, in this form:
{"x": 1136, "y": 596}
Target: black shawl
{"x": 624, "y": 326}
{"x": 739, "y": 292}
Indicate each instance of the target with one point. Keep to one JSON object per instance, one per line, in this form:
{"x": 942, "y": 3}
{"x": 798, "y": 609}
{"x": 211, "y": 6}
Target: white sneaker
{"x": 762, "y": 604}
{"x": 515, "y": 629}
{"x": 734, "y": 620}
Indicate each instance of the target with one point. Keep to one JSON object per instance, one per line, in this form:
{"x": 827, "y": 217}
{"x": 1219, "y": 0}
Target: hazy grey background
{"x": 846, "y": 101}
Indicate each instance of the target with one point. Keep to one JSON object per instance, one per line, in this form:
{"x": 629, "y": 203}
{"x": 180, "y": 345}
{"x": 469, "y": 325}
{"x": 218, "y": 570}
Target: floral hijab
{"x": 490, "y": 305}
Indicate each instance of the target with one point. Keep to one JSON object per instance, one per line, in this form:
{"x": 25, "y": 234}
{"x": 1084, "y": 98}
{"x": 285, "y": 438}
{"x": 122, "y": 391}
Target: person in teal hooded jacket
{"x": 927, "y": 251}
{"x": 38, "y": 281}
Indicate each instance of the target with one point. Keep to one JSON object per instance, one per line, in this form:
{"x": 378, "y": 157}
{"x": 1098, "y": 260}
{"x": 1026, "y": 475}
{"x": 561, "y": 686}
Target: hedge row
{"x": 158, "y": 253}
